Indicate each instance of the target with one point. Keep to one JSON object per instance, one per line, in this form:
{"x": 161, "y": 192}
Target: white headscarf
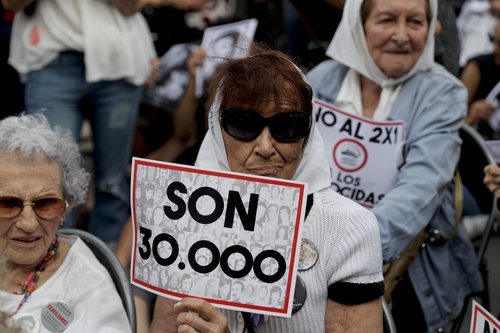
{"x": 348, "y": 46}
{"x": 313, "y": 167}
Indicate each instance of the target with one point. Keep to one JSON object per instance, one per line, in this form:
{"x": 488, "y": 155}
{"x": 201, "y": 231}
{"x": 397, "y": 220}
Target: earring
{"x": 61, "y": 222}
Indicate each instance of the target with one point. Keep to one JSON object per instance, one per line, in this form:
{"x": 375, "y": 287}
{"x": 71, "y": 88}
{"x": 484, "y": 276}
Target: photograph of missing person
{"x": 173, "y": 77}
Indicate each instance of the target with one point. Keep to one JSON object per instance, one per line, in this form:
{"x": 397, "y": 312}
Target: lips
{"x": 266, "y": 171}
{"x": 26, "y": 241}
{"x": 398, "y": 51}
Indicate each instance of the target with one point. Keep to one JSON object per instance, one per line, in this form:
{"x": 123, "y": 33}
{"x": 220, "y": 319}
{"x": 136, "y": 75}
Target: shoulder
{"x": 326, "y": 74}
{"x": 351, "y": 236}
{"x": 83, "y": 265}
{"x": 436, "y": 77}
{"x": 435, "y": 90}
{"x": 347, "y": 214}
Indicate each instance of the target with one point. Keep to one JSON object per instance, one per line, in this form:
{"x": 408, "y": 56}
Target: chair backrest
{"x": 473, "y": 158}
{"x": 108, "y": 259}
{"x": 389, "y": 326}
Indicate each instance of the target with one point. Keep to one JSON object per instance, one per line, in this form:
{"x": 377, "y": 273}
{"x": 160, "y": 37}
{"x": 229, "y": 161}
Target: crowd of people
{"x": 101, "y": 62}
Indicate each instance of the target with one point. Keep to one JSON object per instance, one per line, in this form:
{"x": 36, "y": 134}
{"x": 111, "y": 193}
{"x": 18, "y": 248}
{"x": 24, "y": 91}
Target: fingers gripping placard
{"x": 230, "y": 238}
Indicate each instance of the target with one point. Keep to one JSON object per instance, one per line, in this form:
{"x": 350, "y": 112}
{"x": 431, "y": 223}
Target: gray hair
{"x": 30, "y": 136}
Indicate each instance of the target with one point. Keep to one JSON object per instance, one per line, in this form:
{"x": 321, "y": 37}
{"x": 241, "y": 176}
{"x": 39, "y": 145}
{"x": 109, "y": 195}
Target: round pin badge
{"x": 308, "y": 255}
{"x": 57, "y": 316}
{"x": 299, "y": 296}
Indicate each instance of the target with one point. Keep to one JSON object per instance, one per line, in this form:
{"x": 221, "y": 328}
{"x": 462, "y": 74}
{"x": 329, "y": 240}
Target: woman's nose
{"x": 265, "y": 143}
{"x": 27, "y": 219}
{"x": 400, "y": 34}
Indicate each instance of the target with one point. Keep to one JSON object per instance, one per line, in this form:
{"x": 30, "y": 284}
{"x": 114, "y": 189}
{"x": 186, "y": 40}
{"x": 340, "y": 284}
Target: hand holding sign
{"x": 199, "y": 315}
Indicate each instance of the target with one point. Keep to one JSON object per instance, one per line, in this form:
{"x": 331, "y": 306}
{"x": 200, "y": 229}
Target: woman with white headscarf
{"x": 383, "y": 76}
{"x": 260, "y": 122}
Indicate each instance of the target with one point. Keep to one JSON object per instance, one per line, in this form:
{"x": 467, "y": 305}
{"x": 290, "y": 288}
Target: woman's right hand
{"x": 195, "y": 60}
{"x": 479, "y": 111}
{"x": 197, "y": 315}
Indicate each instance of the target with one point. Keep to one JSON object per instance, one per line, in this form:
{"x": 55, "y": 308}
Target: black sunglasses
{"x": 247, "y": 125}
{"x": 45, "y": 208}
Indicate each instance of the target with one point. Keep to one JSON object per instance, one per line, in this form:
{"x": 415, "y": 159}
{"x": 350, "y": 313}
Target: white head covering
{"x": 348, "y": 46}
{"x": 313, "y": 167}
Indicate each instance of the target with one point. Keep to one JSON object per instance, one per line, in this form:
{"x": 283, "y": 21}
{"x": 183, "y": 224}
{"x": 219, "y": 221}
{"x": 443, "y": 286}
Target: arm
{"x": 164, "y": 316}
{"x": 184, "y": 131}
{"x": 470, "y": 77}
{"x": 424, "y": 183}
{"x": 356, "y": 284}
{"x": 365, "y": 317}
{"x": 15, "y": 5}
{"x": 480, "y": 110}
{"x": 189, "y": 314}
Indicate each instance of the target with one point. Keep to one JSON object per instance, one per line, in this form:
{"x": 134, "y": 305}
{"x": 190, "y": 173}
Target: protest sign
{"x": 482, "y": 321}
{"x": 359, "y": 148}
{"x": 222, "y": 42}
{"x": 173, "y": 78}
{"x": 230, "y": 238}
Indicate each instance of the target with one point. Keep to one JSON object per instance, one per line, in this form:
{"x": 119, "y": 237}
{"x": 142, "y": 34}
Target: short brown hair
{"x": 266, "y": 75}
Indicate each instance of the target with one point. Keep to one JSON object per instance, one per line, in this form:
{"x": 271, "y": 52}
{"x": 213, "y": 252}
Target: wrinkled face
{"x": 264, "y": 156}
{"x": 25, "y": 239}
{"x": 396, "y": 32}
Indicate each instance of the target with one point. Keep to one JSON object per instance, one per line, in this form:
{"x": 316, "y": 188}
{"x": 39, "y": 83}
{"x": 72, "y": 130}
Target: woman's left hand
{"x": 492, "y": 178}
{"x": 197, "y": 315}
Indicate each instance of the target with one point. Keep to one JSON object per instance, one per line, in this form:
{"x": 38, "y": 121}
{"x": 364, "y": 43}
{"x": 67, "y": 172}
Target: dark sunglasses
{"x": 45, "y": 208}
{"x": 247, "y": 125}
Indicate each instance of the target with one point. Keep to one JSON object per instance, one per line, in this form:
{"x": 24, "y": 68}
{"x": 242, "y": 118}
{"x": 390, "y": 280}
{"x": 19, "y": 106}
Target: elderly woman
{"x": 260, "y": 123}
{"x": 48, "y": 282}
{"x": 383, "y": 70}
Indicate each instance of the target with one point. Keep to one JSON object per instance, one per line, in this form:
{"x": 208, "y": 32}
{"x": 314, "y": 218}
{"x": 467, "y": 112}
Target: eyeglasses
{"x": 247, "y": 125}
{"x": 45, "y": 208}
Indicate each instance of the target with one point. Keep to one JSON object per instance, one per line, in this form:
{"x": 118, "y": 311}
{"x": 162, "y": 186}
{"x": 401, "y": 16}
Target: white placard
{"x": 358, "y": 149}
{"x": 482, "y": 321}
{"x": 227, "y": 41}
{"x": 173, "y": 78}
{"x": 227, "y": 237}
